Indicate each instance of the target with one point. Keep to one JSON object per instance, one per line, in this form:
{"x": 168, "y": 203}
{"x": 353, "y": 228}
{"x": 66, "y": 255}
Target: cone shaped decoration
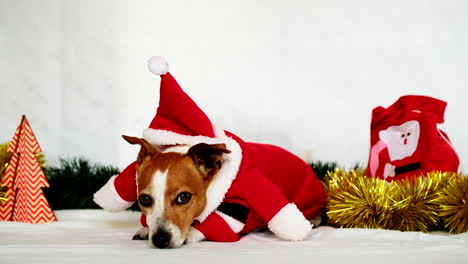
{"x": 24, "y": 180}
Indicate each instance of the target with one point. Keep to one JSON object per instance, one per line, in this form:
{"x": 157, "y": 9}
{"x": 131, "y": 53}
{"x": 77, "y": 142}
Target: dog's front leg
{"x": 194, "y": 236}
{"x": 141, "y": 234}
{"x": 315, "y": 222}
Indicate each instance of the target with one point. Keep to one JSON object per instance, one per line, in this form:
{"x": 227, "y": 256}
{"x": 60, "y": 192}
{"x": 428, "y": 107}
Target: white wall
{"x": 301, "y": 74}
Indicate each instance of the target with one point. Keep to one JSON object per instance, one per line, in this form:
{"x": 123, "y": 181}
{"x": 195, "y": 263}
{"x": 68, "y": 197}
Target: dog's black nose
{"x": 161, "y": 239}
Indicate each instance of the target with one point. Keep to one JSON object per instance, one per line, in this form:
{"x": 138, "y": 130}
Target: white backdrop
{"x": 304, "y": 75}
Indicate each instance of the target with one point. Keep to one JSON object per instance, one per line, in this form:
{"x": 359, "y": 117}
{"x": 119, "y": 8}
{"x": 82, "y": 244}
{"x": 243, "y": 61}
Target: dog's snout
{"x": 161, "y": 239}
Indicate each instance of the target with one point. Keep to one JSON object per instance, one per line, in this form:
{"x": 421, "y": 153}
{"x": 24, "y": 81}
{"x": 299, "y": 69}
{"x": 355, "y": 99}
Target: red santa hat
{"x": 176, "y": 112}
{"x": 179, "y": 121}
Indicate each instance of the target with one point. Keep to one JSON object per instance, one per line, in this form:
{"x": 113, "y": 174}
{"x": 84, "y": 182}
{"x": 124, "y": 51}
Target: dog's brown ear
{"x": 208, "y": 158}
{"x": 146, "y": 150}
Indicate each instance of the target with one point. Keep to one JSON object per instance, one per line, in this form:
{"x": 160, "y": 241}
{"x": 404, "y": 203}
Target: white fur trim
{"x": 290, "y": 224}
{"x": 233, "y": 223}
{"x": 183, "y": 149}
{"x": 223, "y": 180}
{"x": 165, "y": 137}
{"x": 108, "y": 198}
{"x": 158, "y": 65}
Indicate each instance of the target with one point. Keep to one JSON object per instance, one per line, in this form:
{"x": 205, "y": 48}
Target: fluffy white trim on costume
{"x": 223, "y": 180}
{"x": 290, "y": 224}
{"x": 158, "y": 65}
{"x": 183, "y": 149}
{"x": 108, "y": 198}
{"x": 233, "y": 223}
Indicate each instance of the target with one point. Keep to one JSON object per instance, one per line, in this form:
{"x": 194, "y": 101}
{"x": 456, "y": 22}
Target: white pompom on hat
{"x": 158, "y": 65}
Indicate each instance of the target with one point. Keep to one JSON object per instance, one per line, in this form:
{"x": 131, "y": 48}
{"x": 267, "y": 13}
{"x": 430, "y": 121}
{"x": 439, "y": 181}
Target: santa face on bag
{"x": 401, "y": 141}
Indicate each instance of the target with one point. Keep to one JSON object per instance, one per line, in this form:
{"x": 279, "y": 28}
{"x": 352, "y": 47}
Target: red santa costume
{"x": 258, "y": 185}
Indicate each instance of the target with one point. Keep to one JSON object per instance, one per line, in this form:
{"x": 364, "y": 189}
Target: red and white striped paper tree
{"x": 24, "y": 179}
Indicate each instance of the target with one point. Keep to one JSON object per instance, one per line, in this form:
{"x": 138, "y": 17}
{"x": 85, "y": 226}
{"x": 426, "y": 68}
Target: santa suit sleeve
{"x": 220, "y": 227}
{"x": 120, "y": 192}
{"x": 266, "y": 200}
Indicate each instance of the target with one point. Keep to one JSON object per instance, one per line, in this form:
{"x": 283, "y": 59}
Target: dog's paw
{"x": 194, "y": 236}
{"x": 141, "y": 234}
{"x": 315, "y": 222}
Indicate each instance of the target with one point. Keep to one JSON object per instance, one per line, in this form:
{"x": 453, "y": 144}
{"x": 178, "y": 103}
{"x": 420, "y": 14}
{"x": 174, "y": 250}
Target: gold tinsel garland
{"x": 356, "y": 201}
{"x": 419, "y": 204}
{"x": 2, "y": 194}
{"x": 4, "y": 158}
{"x": 453, "y": 202}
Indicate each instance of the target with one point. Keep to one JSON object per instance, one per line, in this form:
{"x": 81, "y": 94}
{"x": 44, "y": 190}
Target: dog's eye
{"x": 183, "y": 198}
{"x": 145, "y": 200}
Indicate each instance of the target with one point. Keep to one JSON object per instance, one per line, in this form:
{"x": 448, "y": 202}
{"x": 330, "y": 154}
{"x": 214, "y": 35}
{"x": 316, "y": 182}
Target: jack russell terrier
{"x": 194, "y": 181}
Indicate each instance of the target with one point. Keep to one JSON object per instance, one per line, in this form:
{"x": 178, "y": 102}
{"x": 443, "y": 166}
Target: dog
{"x": 172, "y": 189}
{"x": 194, "y": 181}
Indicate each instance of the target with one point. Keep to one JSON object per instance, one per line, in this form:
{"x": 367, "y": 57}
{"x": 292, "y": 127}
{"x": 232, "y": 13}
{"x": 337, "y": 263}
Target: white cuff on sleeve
{"x": 235, "y": 225}
{"x": 290, "y": 224}
{"x": 108, "y": 198}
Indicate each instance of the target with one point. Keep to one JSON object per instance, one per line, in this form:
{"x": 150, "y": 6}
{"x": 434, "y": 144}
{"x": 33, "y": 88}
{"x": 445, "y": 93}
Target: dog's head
{"x": 172, "y": 188}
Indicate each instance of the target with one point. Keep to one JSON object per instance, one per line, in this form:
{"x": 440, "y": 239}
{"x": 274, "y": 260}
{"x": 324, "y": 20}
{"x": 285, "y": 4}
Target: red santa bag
{"x": 406, "y": 139}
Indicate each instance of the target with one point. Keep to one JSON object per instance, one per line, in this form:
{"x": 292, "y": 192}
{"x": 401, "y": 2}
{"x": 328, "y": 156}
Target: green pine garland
{"x": 322, "y": 168}
{"x": 74, "y": 181}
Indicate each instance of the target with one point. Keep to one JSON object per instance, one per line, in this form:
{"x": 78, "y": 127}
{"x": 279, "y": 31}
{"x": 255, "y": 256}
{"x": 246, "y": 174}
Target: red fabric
{"x": 405, "y": 139}
{"x": 214, "y": 228}
{"x": 269, "y": 178}
{"x": 143, "y": 220}
{"x": 177, "y": 112}
{"x": 125, "y": 183}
